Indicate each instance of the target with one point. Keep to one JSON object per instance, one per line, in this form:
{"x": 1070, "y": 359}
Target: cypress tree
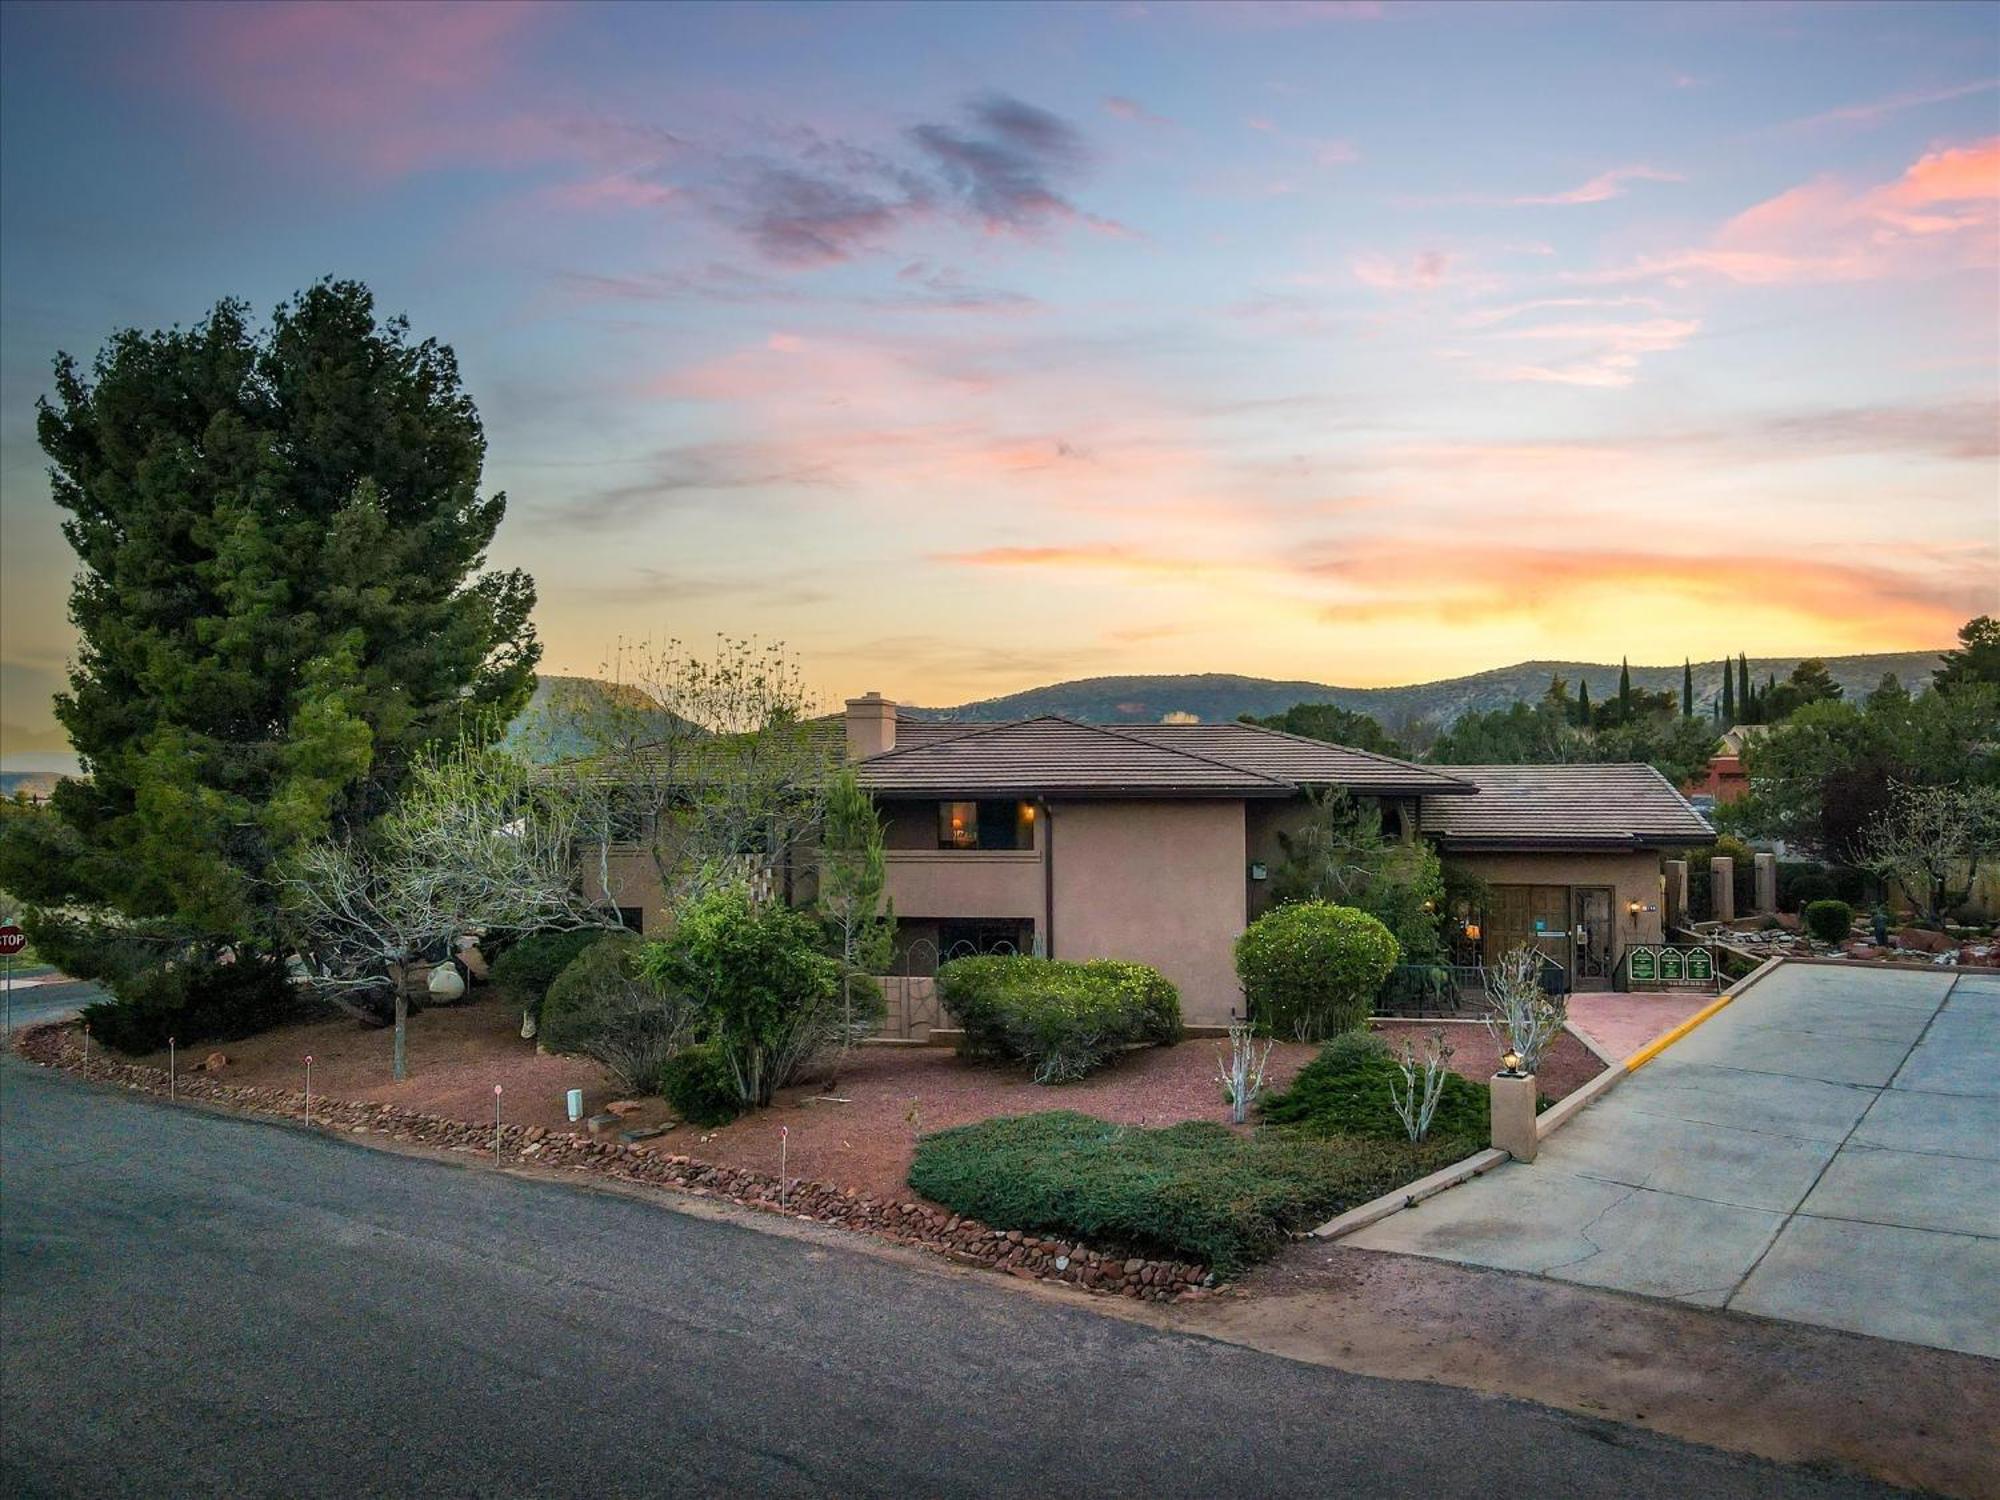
{"x": 1746, "y": 697}
{"x": 1583, "y": 702}
{"x": 1687, "y": 687}
{"x": 1624, "y": 690}
{"x": 1728, "y": 695}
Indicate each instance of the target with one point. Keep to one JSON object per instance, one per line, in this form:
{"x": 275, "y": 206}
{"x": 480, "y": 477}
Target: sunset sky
{"x": 965, "y": 348}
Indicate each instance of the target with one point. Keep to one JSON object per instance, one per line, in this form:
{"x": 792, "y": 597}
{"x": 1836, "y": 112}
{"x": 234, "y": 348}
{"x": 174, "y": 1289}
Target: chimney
{"x": 871, "y": 726}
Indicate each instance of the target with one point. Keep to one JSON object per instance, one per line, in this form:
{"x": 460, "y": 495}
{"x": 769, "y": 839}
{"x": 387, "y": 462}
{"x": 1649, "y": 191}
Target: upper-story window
{"x": 986, "y": 825}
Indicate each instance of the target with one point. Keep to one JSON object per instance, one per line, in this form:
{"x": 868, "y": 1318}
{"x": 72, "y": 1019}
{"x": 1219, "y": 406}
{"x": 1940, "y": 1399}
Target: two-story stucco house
{"x": 1154, "y": 842}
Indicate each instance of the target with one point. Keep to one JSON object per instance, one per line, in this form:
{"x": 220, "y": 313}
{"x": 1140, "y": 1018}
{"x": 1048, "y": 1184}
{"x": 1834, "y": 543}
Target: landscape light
{"x": 1510, "y": 1064}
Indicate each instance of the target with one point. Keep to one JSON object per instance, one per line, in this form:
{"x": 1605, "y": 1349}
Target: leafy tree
{"x": 1810, "y": 682}
{"x": 1519, "y": 734}
{"x": 1932, "y": 840}
{"x": 1333, "y": 724}
{"x": 1821, "y": 778}
{"x": 281, "y": 600}
{"x": 1977, "y": 659}
{"x": 852, "y": 875}
{"x": 1678, "y": 748}
{"x": 1340, "y": 854}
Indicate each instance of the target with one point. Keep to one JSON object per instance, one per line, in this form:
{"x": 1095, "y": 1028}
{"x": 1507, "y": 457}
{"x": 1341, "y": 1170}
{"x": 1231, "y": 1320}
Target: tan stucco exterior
{"x": 1632, "y": 875}
{"x": 1159, "y": 883}
{"x": 630, "y": 879}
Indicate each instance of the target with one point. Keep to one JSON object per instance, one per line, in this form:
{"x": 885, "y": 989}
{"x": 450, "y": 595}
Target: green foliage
{"x": 1063, "y": 1020}
{"x": 1340, "y": 854}
{"x": 1520, "y": 734}
{"x": 1829, "y": 921}
{"x": 1810, "y": 682}
{"x": 603, "y": 1008}
{"x": 1976, "y": 661}
{"x": 860, "y": 927}
{"x": 1345, "y": 1092}
{"x": 700, "y": 1083}
{"x": 280, "y": 597}
{"x": 108, "y": 950}
{"x": 1819, "y": 780}
{"x": 1196, "y": 1191}
{"x": 1333, "y": 724}
{"x": 522, "y": 975}
{"x": 198, "y": 999}
{"x": 771, "y": 999}
{"x": 1311, "y": 970}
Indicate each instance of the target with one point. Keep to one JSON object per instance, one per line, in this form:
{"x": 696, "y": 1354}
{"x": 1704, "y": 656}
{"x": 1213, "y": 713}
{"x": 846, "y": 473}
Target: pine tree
{"x": 1976, "y": 659}
{"x": 1687, "y": 687}
{"x": 281, "y": 598}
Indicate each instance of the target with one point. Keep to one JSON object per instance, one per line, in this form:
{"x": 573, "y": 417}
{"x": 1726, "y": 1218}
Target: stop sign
{"x": 12, "y": 941}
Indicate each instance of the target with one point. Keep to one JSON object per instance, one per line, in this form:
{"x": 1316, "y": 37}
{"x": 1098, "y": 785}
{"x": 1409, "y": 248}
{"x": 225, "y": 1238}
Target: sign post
{"x": 12, "y": 941}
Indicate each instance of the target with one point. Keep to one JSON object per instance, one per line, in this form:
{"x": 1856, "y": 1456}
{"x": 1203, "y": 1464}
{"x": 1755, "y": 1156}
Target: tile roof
{"x": 1054, "y": 755}
{"x": 1296, "y": 758}
{"x": 1578, "y": 806}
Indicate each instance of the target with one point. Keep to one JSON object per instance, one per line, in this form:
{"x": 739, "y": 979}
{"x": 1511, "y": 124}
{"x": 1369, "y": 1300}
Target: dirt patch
{"x": 858, "y": 1129}
{"x": 1912, "y": 1416}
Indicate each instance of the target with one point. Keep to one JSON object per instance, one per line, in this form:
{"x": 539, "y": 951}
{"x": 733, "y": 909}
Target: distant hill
{"x": 556, "y": 723}
{"x": 1215, "y": 696}
{"x": 37, "y": 784}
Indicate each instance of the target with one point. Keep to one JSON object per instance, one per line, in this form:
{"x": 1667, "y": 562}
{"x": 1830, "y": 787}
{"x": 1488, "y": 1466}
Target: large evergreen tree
{"x": 1687, "y": 687}
{"x": 282, "y": 596}
{"x": 1746, "y": 698}
{"x": 1728, "y": 696}
{"x": 1976, "y": 660}
{"x": 1624, "y": 688}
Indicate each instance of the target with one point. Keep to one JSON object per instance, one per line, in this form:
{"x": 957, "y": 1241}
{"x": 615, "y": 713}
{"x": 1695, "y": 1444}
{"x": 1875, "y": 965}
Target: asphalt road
{"x": 192, "y": 1304}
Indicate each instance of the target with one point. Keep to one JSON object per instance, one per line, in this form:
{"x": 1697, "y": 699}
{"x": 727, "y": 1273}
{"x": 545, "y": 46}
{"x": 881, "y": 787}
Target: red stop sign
{"x": 12, "y": 941}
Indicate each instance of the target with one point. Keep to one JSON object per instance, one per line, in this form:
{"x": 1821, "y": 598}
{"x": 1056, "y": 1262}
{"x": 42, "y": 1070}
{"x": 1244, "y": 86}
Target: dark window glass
{"x": 632, "y": 918}
{"x": 961, "y": 939}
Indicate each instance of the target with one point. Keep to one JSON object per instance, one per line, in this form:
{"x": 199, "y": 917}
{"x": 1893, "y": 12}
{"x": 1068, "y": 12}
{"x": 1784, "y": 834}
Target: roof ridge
{"x": 943, "y": 739}
{"x": 1133, "y": 739}
{"x": 1306, "y": 739}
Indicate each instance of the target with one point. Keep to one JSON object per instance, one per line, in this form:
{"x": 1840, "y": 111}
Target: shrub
{"x": 770, "y": 999}
{"x": 603, "y": 1008}
{"x": 1345, "y": 1092}
{"x": 194, "y": 1000}
{"x": 1062, "y": 1019}
{"x": 1829, "y": 921}
{"x": 1801, "y": 883}
{"x": 1196, "y": 1191}
{"x": 701, "y": 1085}
{"x": 522, "y": 975}
{"x": 1312, "y": 969}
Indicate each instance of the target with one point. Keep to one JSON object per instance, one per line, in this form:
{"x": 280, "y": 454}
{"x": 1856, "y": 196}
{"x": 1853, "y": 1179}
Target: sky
{"x": 964, "y": 348}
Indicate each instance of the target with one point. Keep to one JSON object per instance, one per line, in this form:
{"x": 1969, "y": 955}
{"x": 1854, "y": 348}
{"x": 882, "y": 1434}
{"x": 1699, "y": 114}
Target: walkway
{"x": 1825, "y": 1149}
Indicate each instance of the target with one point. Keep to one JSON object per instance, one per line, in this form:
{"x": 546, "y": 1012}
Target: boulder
{"x": 215, "y": 1062}
{"x": 622, "y": 1107}
{"x": 1923, "y": 940}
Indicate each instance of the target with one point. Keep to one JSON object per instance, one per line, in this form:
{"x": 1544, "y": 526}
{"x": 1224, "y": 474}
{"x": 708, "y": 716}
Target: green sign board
{"x": 1663, "y": 964}
{"x": 1644, "y": 965}
{"x": 1700, "y": 966}
{"x": 1672, "y": 969}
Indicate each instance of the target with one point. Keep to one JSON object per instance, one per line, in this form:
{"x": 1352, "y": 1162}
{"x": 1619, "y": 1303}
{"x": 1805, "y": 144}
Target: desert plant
{"x": 700, "y": 1083}
{"x": 1346, "y": 1091}
{"x": 1829, "y": 921}
{"x": 1522, "y": 1015}
{"x": 1240, "y": 1070}
{"x": 1416, "y": 1105}
{"x": 1312, "y": 969}
{"x": 1062, "y": 1019}
{"x": 603, "y": 1008}
{"x": 770, "y": 998}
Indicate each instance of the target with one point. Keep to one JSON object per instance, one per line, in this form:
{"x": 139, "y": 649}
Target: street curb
{"x": 1410, "y": 1195}
{"x": 1660, "y": 1044}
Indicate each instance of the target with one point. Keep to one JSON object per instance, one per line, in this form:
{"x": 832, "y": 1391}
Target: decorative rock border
{"x": 964, "y": 1240}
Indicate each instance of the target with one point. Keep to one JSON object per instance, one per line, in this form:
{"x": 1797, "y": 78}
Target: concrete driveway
{"x": 1826, "y": 1149}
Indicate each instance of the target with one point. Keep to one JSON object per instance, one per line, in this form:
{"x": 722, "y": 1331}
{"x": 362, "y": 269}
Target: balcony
{"x": 965, "y": 882}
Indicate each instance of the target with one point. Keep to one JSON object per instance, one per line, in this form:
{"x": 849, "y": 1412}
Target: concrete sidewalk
{"x": 1826, "y": 1149}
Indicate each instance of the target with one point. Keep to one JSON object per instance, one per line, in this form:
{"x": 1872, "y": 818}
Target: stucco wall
{"x": 633, "y": 881}
{"x": 1159, "y": 883}
{"x": 1631, "y": 876}
{"x": 964, "y": 882}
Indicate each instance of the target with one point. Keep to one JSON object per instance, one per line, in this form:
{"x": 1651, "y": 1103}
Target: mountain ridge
{"x": 1213, "y": 696}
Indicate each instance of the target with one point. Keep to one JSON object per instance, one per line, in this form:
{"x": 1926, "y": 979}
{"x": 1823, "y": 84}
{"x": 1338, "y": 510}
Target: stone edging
{"x": 964, "y": 1240}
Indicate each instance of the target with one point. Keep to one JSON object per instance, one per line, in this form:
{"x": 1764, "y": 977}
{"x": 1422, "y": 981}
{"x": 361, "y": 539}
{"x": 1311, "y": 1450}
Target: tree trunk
{"x": 402, "y": 1033}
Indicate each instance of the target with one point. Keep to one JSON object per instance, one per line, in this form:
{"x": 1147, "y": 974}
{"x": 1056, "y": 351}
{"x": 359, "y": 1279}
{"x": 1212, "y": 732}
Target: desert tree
{"x": 1521, "y": 1014}
{"x": 860, "y": 925}
{"x": 1933, "y": 841}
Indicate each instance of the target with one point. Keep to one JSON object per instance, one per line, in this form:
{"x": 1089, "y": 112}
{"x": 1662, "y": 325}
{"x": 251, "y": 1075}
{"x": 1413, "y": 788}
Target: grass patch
{"x": 1345, "y": 1092}
{"x": 1195, "y": 1191}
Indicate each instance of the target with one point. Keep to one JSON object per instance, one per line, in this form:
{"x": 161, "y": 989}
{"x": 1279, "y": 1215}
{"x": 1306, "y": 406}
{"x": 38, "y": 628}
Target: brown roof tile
{"x": 1577, "y": 806}
{"x": 1052, "y": 755}
{"x": 1296, "y": 758}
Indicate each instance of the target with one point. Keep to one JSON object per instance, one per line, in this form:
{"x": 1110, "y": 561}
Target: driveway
{"x": 193, "y": 1304}
{"x": 1826, "y": 1149}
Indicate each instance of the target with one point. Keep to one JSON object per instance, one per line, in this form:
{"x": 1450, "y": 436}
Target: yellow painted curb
{"x": 1660, "y": 1044}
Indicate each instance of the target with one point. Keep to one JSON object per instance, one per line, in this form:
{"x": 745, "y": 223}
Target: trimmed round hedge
{"x": 522, "y": 975}
{"x": 1062, "y": 1019}
{"x": 1311, "y": 969}
{"x": 1829, "y": 921}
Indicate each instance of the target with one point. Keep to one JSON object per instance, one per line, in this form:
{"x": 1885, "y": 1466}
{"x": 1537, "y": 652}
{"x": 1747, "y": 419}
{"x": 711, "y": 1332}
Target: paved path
{"x": 194, "y": 1304}
{"x": 1825, "y": 1149}
{"x": 1621, "y": 1023}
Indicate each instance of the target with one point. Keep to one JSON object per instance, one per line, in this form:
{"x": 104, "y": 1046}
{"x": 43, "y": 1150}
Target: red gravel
{"x": 859, "y": 1132}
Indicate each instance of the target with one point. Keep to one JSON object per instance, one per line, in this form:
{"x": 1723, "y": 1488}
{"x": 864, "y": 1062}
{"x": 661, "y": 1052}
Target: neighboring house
{"x": 1155, "y": 842}
{"x": 1725, "y": 779}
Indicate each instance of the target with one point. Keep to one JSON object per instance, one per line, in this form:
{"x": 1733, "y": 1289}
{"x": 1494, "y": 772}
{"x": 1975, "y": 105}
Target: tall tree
{"x": 1583, "y": 703}
{"x": 860, "y": 926}
{"x": 1624, "y": 687}
{"x": 1728, "y": 696}
{"x": 282, "y": 599}
{"x": 1335, "y": 725}
{"x": 1687, "y": 687}
{"x": 1976, "y": 660}
{"x": 1746, "y": 702}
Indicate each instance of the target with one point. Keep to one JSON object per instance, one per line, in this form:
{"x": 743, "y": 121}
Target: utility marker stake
{"x": 309, "y": 1088}
{"x": 86, "y": 1046}
{"x": 172, "y": 1080}
{"x": 496, "y": 1122}
{"x": 784, "y": 1147}
{"x": 10, "y": 997}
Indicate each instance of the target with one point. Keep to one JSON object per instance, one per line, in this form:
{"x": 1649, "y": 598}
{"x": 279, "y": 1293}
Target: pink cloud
{"x": 1942, "y": 214}
{"x": 1601, "y": 188}
{"x": 1878, "y": 109}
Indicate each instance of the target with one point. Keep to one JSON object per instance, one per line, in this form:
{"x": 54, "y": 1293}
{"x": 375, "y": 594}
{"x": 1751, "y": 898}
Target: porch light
{"x": 1027, "y": 812}
{"x": 1472, "y": 932}
{"x": 1635, "y": 907}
